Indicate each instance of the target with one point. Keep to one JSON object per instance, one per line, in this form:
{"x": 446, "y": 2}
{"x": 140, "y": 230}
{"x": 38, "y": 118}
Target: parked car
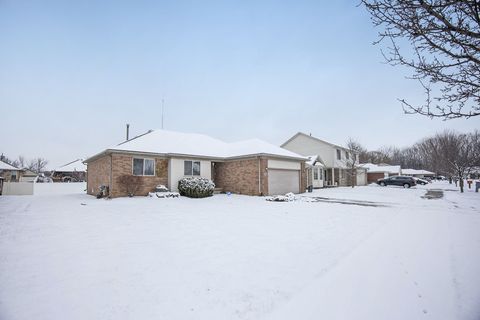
{"x": 421, "y": 181}
{"x": 402, "y": 181}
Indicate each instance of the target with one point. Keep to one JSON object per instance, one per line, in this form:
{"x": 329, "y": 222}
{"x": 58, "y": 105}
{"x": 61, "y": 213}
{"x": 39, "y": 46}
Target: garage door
{"x": 283, "y": 181}
{"x": 361, "y": 178}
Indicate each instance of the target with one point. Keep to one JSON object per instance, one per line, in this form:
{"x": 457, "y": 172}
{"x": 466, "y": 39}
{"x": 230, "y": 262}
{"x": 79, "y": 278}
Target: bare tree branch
{"x": 444, "y": 39}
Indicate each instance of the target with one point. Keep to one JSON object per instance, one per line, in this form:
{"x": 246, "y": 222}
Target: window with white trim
{"x": 143, "y": 167}
{"x": 191, "y": 168}
{"x": 339, "y": 154}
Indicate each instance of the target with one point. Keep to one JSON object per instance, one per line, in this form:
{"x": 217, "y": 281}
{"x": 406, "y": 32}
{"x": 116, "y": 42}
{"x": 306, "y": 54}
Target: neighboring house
{"x": 28, "y": 175}
{"x": 334, "y": 158}
{"x": 418, "y": 173}
{"x": 251, "y": 167}
{"x": 9, "y": 173}
{"x": 380, "y": 171}
{"x": 74, "y": 171}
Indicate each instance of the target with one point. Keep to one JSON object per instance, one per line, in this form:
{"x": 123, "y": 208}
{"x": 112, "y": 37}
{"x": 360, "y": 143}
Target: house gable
{"x": 306, "y": 145}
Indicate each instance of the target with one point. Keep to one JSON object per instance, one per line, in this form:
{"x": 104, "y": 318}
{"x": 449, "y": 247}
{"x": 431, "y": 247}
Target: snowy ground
{"x": 362, "y": 253}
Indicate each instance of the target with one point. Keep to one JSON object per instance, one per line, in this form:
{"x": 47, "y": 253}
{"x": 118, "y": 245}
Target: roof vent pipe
{"x": 128, "y": 131}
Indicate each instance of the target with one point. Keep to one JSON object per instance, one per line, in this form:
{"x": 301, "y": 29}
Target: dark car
{"x": 402, "y": 181}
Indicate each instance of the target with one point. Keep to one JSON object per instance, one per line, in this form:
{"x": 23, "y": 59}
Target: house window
{"x": 347, "y": 155}
{"x": 339, "y": 154}
{"x": 13, "y": 176}
{"x": 315, "y": 174}
{"x": 143, "y": 167}
{"x": 191, "y": 168}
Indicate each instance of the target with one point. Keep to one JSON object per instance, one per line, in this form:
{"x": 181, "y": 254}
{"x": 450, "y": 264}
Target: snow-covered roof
{"x": 314, "y": 161}
{"x": 76, "y": 165}
{"x": 194, "y": 144}
{"x": 375, "y": 168}
{"x": 415, "y": 171}
{"x": 6, "y": 166}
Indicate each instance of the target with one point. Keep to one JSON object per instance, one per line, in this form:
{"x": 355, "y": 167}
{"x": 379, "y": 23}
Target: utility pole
{"x": 163, "y": 105}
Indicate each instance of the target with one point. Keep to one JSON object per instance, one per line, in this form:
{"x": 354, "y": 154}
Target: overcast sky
{"x": 73, "y": 73}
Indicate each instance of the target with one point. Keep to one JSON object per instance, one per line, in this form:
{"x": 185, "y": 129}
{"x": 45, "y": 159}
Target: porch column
{"x": 333, "y": 176}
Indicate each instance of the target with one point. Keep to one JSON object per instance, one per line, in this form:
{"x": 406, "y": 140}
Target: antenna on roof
{"x": 163, "y": 105}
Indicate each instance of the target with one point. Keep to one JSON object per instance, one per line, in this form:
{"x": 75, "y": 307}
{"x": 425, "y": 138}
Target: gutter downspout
{"x": 259, "y": 177}
{"x": 111, "y": 178}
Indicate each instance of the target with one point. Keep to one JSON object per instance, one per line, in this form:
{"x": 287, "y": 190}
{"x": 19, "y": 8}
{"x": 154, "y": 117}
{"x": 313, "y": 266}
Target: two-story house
{"x": 336, "y": 161}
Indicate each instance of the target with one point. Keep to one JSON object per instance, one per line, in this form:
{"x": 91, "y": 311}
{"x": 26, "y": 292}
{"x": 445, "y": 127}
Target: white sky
{"x": 73, "y": 74}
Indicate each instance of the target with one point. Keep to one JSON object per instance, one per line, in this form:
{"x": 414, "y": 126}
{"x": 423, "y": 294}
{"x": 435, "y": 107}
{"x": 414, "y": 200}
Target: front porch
{"x": 335, "y": 177}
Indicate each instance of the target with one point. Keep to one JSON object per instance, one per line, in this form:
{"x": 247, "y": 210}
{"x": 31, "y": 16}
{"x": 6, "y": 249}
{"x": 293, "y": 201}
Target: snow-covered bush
{"x": 196, "y": 187}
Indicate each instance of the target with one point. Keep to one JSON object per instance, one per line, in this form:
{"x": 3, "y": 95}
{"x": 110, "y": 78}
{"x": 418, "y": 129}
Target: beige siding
{"x": 306, "y": 146}
{"x": 176, "y": 171}
{"x": 283, "y": 164}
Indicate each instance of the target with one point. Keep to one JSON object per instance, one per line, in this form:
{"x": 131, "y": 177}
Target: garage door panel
{"x": 283, "y": 181}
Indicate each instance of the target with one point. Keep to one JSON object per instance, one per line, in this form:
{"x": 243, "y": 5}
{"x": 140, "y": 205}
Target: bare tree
{"x": 37, "y": 165}
{"x": 21, "y": 162}
{"x": 445, "y": 58}
{"x": 130, "y": 184}
{"x": 352, "y": 161}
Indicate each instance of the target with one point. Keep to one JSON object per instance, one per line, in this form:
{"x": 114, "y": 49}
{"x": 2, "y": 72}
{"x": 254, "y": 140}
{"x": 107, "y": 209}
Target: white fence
{"x": 17, "y": 188}
{"x": 40, "y": 189}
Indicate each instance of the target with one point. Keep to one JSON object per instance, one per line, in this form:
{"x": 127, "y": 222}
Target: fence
{"x": 41, "y": 189}
{"x": 17, "y": 188}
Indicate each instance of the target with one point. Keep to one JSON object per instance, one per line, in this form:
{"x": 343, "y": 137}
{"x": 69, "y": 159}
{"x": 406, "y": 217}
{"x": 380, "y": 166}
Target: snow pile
{"x": 196, "y": 187}
{"x": 161, "y": 188}
{"x": 163, "y": 194}
{"x": 279, "y": 198}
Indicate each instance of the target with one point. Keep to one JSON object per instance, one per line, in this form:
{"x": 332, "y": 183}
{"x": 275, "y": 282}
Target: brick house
{"x": 251, "y": 167}
{"x": 9, "y": 173}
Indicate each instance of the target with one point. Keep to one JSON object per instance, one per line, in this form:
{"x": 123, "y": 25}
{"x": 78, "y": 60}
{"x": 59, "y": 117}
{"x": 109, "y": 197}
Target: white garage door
{"x": 361, "y": 178}
{"x": 283, "y": 181}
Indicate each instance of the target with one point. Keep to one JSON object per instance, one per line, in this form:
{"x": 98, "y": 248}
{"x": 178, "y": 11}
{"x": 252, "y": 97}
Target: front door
{"x": 317, "y": 177}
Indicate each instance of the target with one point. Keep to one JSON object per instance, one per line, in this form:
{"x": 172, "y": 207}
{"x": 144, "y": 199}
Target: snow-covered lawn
{"x": 385, "y": 253}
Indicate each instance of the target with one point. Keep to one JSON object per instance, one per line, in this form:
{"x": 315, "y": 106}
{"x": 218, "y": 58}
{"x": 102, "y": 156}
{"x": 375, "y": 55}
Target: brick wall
{"x": 241, "y": 176}
{"x": 122, "y": 165}
{"x": 303, "y": 177}
{"x": 98, "y": 174}
{"x": 374, "y": 176}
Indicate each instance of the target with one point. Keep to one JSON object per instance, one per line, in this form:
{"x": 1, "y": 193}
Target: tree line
{"x": 449, "y": 153}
